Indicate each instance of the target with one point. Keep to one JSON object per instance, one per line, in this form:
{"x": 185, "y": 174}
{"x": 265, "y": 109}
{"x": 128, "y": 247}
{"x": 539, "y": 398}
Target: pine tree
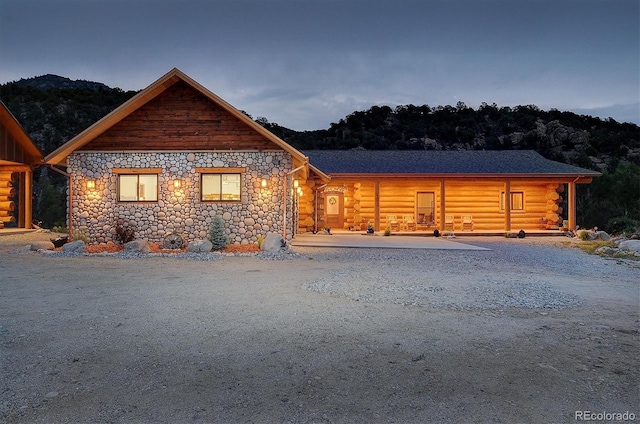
{"x": 217, "y": 235}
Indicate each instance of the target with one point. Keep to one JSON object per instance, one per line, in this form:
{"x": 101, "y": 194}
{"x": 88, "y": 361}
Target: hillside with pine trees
{"x": 54, "y": 109}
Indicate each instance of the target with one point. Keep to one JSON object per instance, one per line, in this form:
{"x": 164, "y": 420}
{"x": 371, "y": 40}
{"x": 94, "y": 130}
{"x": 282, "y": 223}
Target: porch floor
{"x": 467, "y": 233}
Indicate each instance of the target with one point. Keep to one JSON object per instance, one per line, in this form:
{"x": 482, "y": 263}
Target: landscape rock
{"x": 200, "y": 246}
{"x": 272, "y": 243}
{"x": 632, "y": 245}
{"x": 76, "y": 246}
{"x": 603, "y": 235}
{"x": 605, "y": 250}
{"x": 139, "y": 245}
{"x": 44, "y": 245}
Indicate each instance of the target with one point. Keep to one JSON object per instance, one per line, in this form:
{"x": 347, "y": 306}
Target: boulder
{"x": 200, "y": 246}
{"x": 605, "y": 250}
{"x": 139, "y": 245}
{"x": 74, "y": 247}
{"x": 273, "y": 243}
{"x": 603, "y": 235}
{"x": 631, "y": 245}
{"x": 44, "y": 245}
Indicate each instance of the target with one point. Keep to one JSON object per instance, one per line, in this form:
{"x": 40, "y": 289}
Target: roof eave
{"x": 577, "y": 177}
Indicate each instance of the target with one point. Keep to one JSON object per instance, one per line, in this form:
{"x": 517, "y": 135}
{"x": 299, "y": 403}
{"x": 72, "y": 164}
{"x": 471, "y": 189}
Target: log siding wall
{"x": 472, "y": 196}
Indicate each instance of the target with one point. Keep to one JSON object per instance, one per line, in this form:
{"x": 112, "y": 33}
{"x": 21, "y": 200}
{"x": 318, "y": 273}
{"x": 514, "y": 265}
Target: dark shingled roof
{"x": 439, "y": 162}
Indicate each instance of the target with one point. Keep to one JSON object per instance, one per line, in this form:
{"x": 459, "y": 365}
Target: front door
{"x": 334, "y": 210}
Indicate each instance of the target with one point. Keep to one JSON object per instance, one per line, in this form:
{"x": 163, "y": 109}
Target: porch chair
{"x": 393, "y": 223}
{"x": 409, "y": 222}
{"x": 467, "y": 220}
{"x": 449, "y": 222}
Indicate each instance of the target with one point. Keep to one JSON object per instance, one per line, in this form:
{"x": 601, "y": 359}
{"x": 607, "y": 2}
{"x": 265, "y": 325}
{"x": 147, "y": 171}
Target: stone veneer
{"x": 96, "y": 212}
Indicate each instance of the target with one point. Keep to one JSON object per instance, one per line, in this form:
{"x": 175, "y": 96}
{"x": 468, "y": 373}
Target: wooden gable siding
{"x": 11, "y": 150}
{"x": 180, "y": 118}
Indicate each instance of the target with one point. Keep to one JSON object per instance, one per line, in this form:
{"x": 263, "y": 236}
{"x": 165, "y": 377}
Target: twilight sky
{"x": 307, "y": 63}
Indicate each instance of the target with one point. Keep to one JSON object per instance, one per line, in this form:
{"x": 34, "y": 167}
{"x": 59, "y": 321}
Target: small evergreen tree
{"x": 217, "y": 235}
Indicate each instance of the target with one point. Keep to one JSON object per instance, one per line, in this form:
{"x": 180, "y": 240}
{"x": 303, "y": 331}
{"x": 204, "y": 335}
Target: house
{"x": 18, "y": 156}
{"x": 175, "y": 155}
{"x": 171, "y": 158}
{"x": 445, "y": 190}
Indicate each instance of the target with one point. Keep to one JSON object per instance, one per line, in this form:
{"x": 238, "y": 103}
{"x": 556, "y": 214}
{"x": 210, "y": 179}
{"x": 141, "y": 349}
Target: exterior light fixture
{"x": 91, "y": 184}
{"x": 296, "y": 183}
{"x": 263, "y": 183}
{"x": 177, "y": 183}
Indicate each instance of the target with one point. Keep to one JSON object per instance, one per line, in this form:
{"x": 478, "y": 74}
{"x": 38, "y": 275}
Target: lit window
{"x": 220, "y": 187}
{"x": 517, "y": 201}
{"x": 138, "y": 187}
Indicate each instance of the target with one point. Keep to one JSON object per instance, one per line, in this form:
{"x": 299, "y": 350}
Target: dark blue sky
{"x": 305, "y": 64}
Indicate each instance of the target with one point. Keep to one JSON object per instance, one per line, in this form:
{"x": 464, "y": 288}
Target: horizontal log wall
{"x": 399, "y": 198}
{"x": 7, "y": 192}
{"x": 480, "y": 199}
{"x": 177, "y": 119}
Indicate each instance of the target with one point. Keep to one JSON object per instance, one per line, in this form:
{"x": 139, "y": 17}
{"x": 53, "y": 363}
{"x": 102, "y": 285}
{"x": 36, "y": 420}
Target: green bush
{"x": 59, "y": 229}
{"x": 80, "y": 235}
{"x": 124, "y": 232}
{"x": 622, "y": 225}
{"x": 217, "y": 235}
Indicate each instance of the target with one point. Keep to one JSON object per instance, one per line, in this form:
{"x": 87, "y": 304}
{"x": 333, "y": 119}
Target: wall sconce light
{"x": 263, "y": 183}
{"x": 296, "y": 183}
{"x": 299, "y": 191}
{"x": 177, "y": 183}
{"x": 91, "y": 184}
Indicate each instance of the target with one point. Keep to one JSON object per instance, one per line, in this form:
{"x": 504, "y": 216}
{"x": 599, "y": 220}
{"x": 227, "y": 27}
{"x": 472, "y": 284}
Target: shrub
{"x": 584, "y": 235}
{"x": 59, "y": 229}
{"x": 124, "y": 232}
{"x": 80, "y": 235}
{"x": 217, "y": 236}
{"x": 387, "y": 232}
{"x": 622, "y": 225}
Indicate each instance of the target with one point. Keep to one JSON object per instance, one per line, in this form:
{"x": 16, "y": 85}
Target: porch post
{"x": 571, "y": 205}
{"x": 22, "y": 200}
{"x": 442, "y": 206}
{"x": 28, "y": 198}
{"x": 376, "y": 205}
{"x": 507, "y": 205}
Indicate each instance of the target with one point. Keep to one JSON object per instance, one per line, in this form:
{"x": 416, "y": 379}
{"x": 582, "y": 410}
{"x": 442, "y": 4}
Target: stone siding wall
{"x": 97, "y": 211}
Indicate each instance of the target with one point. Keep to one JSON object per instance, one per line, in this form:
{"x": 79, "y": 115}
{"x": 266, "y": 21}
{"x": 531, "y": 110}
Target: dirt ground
{"x": 240, "y": 339}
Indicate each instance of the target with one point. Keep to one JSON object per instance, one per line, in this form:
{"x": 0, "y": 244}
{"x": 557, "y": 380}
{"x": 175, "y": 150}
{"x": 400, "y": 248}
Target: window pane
{"x": 517, "y": 201}
{"x": 231, "y": 187}
{"x": 211, "y": 187}
{"x": 128, "y": 188}
{"x": 148, "y": 188}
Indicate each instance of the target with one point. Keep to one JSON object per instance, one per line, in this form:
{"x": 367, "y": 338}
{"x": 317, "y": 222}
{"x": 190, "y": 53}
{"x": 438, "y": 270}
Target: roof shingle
{"x": 439, "y": 162}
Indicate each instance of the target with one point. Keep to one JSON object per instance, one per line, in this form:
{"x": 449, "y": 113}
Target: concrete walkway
{"x": 379, "y": 241}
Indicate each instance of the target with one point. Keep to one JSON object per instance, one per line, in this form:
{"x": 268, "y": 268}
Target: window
{"x": 220, "y": 187}
{"x": 517, "y": 201}
{"x": 138, "y": 187}
{"x": 424, "y": 207}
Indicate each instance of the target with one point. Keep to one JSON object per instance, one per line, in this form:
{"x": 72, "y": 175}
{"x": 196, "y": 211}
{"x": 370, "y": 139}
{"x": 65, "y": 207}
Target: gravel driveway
{"x": 527, "y": 331}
